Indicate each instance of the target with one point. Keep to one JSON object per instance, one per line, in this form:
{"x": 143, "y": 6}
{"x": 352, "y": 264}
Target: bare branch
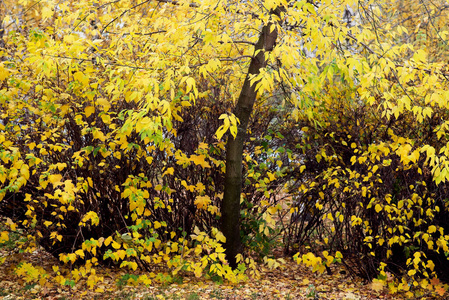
{"x": 177, "y": 3}
{"x": 136, "y": 33}
{"x": 223, "y": 59}
{"x": 113, "y": 20}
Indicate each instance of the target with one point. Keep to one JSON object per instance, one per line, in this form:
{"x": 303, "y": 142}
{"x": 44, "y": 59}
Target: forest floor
{"x": 292, "y": 281}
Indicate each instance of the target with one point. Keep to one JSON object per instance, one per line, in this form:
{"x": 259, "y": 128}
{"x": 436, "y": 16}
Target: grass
{"x": 125, "y": 295}
{"x": 217, "y": 294}
{"x": 193, "y": 296}
{"x": 3, "y": 292}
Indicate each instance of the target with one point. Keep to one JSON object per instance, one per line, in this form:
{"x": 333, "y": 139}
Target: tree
{"x": 234, "y": 147}
{"x": 114, "y": 117}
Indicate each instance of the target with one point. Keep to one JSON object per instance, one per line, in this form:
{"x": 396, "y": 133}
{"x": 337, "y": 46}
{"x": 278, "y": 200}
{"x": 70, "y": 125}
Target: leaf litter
{"x": 289, "y": 281}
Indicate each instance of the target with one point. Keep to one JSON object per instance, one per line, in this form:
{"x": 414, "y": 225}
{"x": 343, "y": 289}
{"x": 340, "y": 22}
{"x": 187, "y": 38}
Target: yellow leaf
{"x": 46, "y": 12}
{"x": 157, "y": 224}
{"x": 89, "y": 110}
{"x": 377, "y": 285}
{"x": 108, "y": 241}
{"x": 80, "y": 253}
{"x": 220, "y": 237}
{"x": 378, "y": 208}
{"x": 414, "y": 156}
{"x": 200, "y": 160}
{"x": 190, "y": 84}
{"x": 81, "y": 78}
{"x": 115, "y": 245}
{"x": 4, "y": 237}
{"x": 97, "y": 134}
{"x": 430, "y": 265}
{"x": 202, "y": 202}
{"x": 4, "y": 73}
{"x": 169, "y": 171}
{"x": 92, "y": 216}
{"x": 200, "y": 187}
{"x": 223, "y": 128}
{"x": 71, "y": 257}
{"x": 198, "y": 271}
{"x": 61, "y": 166}
{"x": 104, "y": 102}
{"x": 55, "y": 179}
{"x": 121, "y": 254}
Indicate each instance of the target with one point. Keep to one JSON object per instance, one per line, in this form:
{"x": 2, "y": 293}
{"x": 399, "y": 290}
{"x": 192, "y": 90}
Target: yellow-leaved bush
{"x": 109, "y": 153}
{"x": 374, "y": 154}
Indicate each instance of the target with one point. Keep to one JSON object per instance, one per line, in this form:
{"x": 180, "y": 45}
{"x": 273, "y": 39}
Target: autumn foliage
{"x": 113, "y": 125}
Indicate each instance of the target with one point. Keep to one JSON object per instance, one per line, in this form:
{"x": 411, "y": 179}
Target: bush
{"x": 85, "y": 160}
{"x": 368, "y": 192}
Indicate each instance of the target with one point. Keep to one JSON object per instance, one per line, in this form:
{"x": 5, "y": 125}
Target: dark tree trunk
{"x": 230, "y": 210}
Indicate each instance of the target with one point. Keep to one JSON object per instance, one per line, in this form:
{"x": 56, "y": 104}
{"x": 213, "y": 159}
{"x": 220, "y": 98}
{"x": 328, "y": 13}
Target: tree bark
{"x": 230, "y": 210}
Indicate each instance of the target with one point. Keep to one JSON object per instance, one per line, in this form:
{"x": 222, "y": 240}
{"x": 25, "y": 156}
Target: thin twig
{"x": 124, "y": 12}
{"x": 137, "y": 33}
{"x": 223, "y": 59}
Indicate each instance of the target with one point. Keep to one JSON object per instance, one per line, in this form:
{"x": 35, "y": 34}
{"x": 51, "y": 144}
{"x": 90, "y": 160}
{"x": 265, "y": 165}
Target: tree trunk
{"x": 230, "y": 210}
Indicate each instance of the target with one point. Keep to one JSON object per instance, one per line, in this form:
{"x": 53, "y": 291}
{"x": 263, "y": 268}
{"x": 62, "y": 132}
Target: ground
{"x": 291, "y": 282}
